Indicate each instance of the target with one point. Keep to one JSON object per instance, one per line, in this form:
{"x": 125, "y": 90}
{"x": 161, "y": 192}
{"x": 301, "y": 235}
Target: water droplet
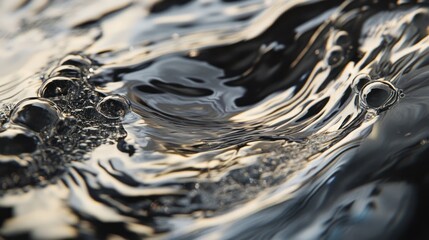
{"x": 113, "y": 107}
{"x": 58, "y": 86}
{"x": 378, "y": 95}
{"x": 36, "y": 114}
{"x": 360, "y": 81}
{"x": 335, "y": 56}
{"x": 17, "y": 141}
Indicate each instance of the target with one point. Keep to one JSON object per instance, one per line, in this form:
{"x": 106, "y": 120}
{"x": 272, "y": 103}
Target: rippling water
{"x": 214, "y": 119}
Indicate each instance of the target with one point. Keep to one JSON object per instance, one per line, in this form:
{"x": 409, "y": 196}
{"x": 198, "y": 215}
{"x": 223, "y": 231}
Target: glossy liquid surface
{"x": 214, "y": 119}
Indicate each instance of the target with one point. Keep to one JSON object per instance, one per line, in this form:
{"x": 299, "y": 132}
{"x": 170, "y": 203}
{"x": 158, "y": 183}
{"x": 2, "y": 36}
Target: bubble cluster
{"x": 68, "y": 119}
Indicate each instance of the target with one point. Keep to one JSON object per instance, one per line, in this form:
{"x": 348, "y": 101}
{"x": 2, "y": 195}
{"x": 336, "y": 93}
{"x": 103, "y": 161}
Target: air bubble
{"x": 378, "y": 95}
{"x": 335, "y": 56}
{"x": 360, "y": 81}
{"x": 76, "y": 60}
{"x": 36, "y": 114}
{"x": 113, "y": 107}
{"x": 58, "y": 86}
{"x": 342, "y": 39}
{"x": 68, "y": 71}
{"x": 370, "y": 114}
{"x": 17, "y": 141}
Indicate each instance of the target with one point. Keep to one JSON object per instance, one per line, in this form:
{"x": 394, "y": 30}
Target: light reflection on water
{"x": 246, "y": 121}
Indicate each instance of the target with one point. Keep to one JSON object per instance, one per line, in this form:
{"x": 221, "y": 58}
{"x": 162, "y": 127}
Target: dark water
{"x": 214, "y": 119}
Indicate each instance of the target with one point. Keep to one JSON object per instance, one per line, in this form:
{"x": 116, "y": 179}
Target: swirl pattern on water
{"x": 250, "y": 119}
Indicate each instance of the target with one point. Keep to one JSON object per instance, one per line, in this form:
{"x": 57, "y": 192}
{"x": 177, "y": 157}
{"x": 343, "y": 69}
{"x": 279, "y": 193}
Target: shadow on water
{"x": 214, "y": 119}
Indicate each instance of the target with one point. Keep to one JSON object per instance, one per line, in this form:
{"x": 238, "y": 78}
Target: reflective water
{"x": 214, "y": 119}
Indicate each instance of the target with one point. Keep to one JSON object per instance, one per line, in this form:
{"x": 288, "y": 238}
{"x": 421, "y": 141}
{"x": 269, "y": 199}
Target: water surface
{"x": 214, "y": 119}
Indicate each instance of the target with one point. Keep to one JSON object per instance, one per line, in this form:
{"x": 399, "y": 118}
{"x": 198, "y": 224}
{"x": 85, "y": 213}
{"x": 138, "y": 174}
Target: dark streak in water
{"x": 217, "y": 119}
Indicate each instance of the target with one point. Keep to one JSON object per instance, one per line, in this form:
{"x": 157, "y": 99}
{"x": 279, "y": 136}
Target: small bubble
{"x": 89, "y": 113}
{"x": 378, "y": 95}
{"x": 113, "y": 107}
{"x": 317, "y": 52}
{"x": 58, "y": 86}
{"x": 36, "y": 114}
{"x": 360, "y": 81}
{"x": 342, "y": 39}
{"x": 335, "y": 56}
{"x": 370, "y": 114}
